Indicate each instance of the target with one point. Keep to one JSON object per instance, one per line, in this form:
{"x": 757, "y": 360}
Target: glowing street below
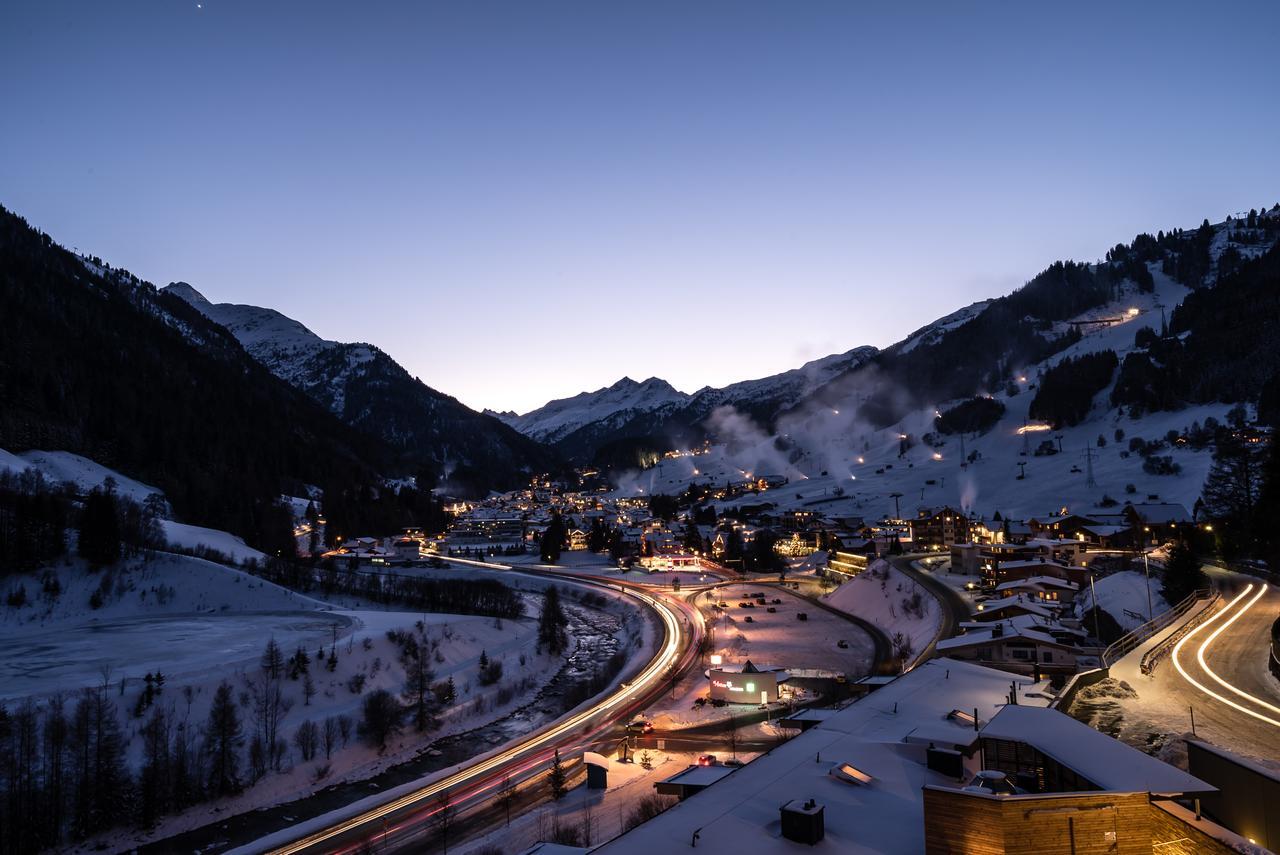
{"x": 1204, "y": 649}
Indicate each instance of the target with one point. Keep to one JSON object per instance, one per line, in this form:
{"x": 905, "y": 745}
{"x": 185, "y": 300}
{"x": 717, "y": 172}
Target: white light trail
{"x": 656, "y": 670}
{"x": 1200, "y": 657}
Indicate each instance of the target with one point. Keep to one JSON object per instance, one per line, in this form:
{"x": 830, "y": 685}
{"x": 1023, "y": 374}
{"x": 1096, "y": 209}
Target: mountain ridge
{"x": 440, "y": 439}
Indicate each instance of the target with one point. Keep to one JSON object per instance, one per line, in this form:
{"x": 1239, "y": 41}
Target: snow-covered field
{"x": 886, "y": 597}
{"x": 778, "y": 639}
{"x": 201, "y": 623}
{"x": 781, "y": 639}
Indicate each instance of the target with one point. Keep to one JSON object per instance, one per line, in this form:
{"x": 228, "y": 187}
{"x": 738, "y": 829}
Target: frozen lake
{"x": 70, "y": 657}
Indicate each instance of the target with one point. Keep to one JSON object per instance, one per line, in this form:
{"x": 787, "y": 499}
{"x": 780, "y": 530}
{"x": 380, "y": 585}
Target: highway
{"x": 400, "y": 821}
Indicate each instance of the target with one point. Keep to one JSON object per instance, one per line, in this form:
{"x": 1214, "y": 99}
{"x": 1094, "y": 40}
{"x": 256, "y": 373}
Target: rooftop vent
{"x": 803, "y": 822}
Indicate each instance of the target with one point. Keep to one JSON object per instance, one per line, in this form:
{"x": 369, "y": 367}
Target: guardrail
{"x": 1133, "y": 639}
{"x": 1155, "y": 655}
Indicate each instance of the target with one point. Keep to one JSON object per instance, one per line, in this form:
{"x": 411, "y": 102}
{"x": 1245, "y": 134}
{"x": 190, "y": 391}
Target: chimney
{"x": 997, "y": 631}
{"x": 803, "y": 822}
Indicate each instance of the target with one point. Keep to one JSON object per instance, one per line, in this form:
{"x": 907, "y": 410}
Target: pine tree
{"x": 272, "y": 662}
{"x": 557, "y": 778}
{"x": 553, "y": 539}
{"x": 308, "y": 688}
{"x": 417, "y": 692}
{"x": 1233, "y": 487}
{"x": 551, "y": 623}
{"x": 223, "y": 738}
{"x": 99, "y": 541}
{"x": 1182, "y": 574}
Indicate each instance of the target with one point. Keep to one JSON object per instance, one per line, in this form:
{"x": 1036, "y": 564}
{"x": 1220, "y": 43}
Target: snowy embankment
{"x": 194, "y": 537}
{"x": 81, "y": 471}
{"x": 85, "y": 474}
{"x": 1124, "y": 597}
{"x": 894, "y": 603}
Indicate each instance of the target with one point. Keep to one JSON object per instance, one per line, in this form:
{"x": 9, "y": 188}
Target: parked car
{"x": 777, "y": 602}
{"x": 706, "y": 760}
{"x": 640, "y": 724}
{"x": 842, "y": 644}
{"x": 733, "y": 762}
{"x": 772, "y": 610}
{"x": 750, "y": 619}
{"x": 802, "y": 616}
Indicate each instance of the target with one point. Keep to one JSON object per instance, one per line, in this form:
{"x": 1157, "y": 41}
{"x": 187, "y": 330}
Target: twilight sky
{"x": 522, "y": 200}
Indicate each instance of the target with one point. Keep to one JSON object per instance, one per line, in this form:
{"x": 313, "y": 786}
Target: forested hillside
{"x": 97, "y": 363}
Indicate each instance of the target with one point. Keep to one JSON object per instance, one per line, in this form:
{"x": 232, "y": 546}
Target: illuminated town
{"x": 631, "y": 428}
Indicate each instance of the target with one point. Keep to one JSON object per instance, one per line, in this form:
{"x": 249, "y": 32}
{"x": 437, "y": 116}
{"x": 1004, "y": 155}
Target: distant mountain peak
{"x": 188, "y": 293}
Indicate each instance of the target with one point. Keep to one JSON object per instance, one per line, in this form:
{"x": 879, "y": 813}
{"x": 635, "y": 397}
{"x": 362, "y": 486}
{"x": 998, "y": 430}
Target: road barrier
{"x": 1155, "y": 655}
{"x": 1134, "y": 639}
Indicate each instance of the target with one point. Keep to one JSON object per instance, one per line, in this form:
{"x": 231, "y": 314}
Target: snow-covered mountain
{"x": 557, "y": 419}
{"x": 369, "y": 390}
{"x": 655, "y": 412}
{"x": 1191, "y": 316}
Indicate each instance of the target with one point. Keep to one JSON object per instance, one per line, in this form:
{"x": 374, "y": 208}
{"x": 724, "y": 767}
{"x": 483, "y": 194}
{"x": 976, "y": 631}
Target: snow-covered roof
{"x": 885, "y": 814}
{"x": 1030, "y": 606}
{"x": 1036, "y": 582}
{"x": 699, "y": 776}
{"x": 1105, "y": 530}
{"x": 1009, "y": 628}
{"x": 1161, "y": 513}
{"x": 1107, "y": 762}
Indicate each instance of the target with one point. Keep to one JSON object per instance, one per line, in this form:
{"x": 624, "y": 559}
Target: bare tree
{"x": 269, "y": 709}
{"x": 329, "y": 735}
{"x": 506, "y": 795}
{"x": 443, "y": 818}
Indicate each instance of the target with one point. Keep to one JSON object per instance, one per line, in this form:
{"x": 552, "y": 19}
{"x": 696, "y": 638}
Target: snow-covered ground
{"x": 772, "y": 640}
{"x": 863, "y": 468}
{"x": 81, "y": 471}
{"x": 883, "y": 595}
{"x": 201, "y": 623}
{"x": 1124, "y": 596}
{"x": 184, "y": 536}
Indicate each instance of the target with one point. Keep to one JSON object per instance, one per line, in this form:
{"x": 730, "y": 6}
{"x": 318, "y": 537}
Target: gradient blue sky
{"x": 519, "y": 201}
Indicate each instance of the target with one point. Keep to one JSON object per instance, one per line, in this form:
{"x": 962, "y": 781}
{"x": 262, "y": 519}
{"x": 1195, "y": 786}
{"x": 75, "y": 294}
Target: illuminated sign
{"x": 743, "y": 688}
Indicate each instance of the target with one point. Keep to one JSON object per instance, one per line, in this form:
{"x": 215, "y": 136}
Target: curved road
{"x": 954, "y": 609}
{"x": 1220, "y": 668}
{"x": 401, "y": 820}
{"x": 1219, "y": 671}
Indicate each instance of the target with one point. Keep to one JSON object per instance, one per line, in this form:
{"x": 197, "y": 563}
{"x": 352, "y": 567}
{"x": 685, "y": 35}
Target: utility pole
{"x": 1088, "y": 462}
{"x": 1093, "y": 595}
{"x": 897, "y": 512}
{"x": 1146, "y": 567}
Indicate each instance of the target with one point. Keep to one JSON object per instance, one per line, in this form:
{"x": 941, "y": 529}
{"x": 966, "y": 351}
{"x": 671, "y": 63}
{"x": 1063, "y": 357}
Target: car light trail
{"x": 1200, "y": 657}
{"x": 656, "y": 670}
